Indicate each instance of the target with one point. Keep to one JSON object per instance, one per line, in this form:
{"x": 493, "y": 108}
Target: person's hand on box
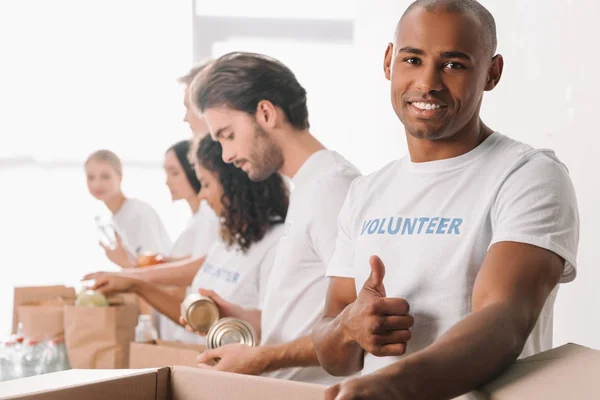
{"x": 376, "y": 386}
{"x": 237, "y": 358}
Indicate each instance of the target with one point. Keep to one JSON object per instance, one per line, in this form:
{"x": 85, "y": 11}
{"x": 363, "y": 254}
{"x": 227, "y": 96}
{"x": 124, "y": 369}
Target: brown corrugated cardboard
{"x": 84, "y": 384}
{"x": 198, "y": 384}
{"x": 176, "y": 383}
{"x": 567, "y": 372}
{"x": 162, "y": 353}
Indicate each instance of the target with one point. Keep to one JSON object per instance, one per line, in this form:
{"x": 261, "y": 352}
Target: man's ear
{"x": 494, "y": 72}
{"x": 266, "y": 113}
{"x": 387, "y": 61}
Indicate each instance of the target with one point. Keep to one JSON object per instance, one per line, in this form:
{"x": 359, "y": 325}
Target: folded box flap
{"x": 199, "y": 384}
{"x": 84, "y": 384}
{"x": 569, "y": 371}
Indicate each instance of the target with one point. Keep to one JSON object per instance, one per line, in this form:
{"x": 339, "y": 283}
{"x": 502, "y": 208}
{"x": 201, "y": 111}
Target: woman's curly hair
{"x": 251, "y": 208}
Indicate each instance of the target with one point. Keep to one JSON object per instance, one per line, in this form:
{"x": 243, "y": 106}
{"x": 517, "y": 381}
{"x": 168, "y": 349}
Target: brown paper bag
{"x": 99, "y": 337}
{"x": 38, "y": 295}
{"x": 44, "y": 320}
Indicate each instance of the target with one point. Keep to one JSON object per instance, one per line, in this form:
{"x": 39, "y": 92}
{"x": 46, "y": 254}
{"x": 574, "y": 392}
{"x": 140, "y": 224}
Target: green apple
{"x": 91, "y": 298}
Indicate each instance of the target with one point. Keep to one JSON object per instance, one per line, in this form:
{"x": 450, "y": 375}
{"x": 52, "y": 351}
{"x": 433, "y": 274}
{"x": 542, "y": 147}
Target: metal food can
{"x": 199, "y": 312}
{"x": 230, "y": 330}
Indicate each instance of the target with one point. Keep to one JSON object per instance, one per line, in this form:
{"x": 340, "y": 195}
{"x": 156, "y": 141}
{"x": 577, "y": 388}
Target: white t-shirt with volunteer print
{"x": 140, "y": 227}
{"x": 199, "y": 234}
{"x": 432, "y": 224}
{"x": 194, "y": 241}
{"x": 239, "y": 277}
{"x": 298, "y": 286}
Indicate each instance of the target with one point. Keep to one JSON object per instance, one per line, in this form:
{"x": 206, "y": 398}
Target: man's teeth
{"x": 426, "y": 106}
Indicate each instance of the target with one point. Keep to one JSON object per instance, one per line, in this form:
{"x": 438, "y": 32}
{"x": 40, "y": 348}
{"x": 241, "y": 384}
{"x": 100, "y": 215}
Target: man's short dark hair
{"x": 472, "y": 7}
{"x": 189, "y": 77}
{"x": 241, "y": 80}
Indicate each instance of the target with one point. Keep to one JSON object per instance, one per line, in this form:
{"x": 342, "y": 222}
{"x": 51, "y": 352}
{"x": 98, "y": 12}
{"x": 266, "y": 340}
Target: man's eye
{"x": 412, "y": 60}
{"x": 454, "y": 65}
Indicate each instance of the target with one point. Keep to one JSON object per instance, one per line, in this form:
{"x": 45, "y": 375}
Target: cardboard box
{"x": 567, "y": 372}
{"x": 161, "y": 353}
{"x": 176, "y": 383}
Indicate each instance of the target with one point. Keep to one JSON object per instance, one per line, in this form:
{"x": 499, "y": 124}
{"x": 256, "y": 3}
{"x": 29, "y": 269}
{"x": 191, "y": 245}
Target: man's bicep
{"x": 340, "y": 293}
{"x": 518, "y": 274}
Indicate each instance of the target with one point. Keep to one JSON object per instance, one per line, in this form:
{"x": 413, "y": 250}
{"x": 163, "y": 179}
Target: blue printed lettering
{"x": 364, "y": 228}
{"x": 408, "y": 227}
{"x": 373, "y": 226}
{"x": 397, "y": 228}
{"x": 454, "y": 226}
{"x": 381, "y": 230}
{"x": 442, "y": 225}
{"x": 431, "y": 226}
{"x": 422, "y": 220}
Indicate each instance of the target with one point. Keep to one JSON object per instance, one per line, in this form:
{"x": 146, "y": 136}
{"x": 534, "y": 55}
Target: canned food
{"x": 199, "y": 312}
{"x": 230, "y": 330}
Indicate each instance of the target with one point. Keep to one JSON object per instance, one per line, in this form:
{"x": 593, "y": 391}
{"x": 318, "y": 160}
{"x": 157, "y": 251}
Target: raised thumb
{"x": 375, "y": 280}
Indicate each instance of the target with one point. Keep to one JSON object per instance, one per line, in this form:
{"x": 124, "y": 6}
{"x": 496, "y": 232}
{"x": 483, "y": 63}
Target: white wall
{"x": 547, "y": 98}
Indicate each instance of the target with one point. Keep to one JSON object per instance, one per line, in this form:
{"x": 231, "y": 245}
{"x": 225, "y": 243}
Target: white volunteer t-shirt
{"x": 298, "y": 286}
{"x": 238, "y": 277}
{"x": 140, "y": 227}
{"x": 194, "y": 241}
{"x": 199, "y": 234}
{"x": 432, "y": 224}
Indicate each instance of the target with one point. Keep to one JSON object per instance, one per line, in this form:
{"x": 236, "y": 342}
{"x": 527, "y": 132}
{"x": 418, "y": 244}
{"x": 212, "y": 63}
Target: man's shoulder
{"x": 377, "y": 178}
{"x": 538, "y": 162}
{"x": 336, "y": 173}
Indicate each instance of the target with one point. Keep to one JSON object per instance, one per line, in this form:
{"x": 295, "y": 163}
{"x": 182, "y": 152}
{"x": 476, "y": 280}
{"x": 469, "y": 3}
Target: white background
{"x": 76, "y": 76}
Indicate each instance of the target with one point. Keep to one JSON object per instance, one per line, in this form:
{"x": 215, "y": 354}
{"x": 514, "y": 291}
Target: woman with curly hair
{"x": 239, "y": 262}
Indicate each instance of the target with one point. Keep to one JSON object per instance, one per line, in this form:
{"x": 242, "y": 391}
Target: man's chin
{"x": 257, "y": 176}
{"x": 426, "y": 133}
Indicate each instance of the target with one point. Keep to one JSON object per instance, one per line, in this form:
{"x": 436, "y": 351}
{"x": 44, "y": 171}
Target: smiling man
{"x": 447, "y": 261}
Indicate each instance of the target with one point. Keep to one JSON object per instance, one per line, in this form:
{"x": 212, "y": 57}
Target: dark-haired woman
{"x": 239, "y": 262}
{"x": 202, "y": 228}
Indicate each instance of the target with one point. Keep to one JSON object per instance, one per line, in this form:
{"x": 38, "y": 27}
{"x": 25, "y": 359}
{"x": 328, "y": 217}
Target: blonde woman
{"x": 138, "y": 226}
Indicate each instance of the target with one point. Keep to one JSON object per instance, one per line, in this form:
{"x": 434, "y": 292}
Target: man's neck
{"x": 433, "y": 150}
{"x": 298, "y": 147}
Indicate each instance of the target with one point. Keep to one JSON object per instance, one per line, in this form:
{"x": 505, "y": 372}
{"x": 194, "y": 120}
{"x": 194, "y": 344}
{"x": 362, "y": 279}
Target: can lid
{"x": 228, "y": 331}
{"x": 202, "y": 315}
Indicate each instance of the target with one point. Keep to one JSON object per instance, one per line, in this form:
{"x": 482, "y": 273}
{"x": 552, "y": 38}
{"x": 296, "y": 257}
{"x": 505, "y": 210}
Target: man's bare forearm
{"x": 337, "y": 354}
{"x": 472, "y": 352}
{"x": 299, "y": 353}
{"x": 178, "y": 273}
{"x": 162, "y": 301}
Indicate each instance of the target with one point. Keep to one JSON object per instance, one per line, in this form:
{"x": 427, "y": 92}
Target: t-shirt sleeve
{"x": 326, "y": 208}
{"x": 151, "y": 231}
{"x": 537, "y": 205}
{"x": 340, "y": 264}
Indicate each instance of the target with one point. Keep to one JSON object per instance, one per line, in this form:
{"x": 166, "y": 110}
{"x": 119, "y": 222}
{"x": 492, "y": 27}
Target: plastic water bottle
{"x": 145, "y": 331}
